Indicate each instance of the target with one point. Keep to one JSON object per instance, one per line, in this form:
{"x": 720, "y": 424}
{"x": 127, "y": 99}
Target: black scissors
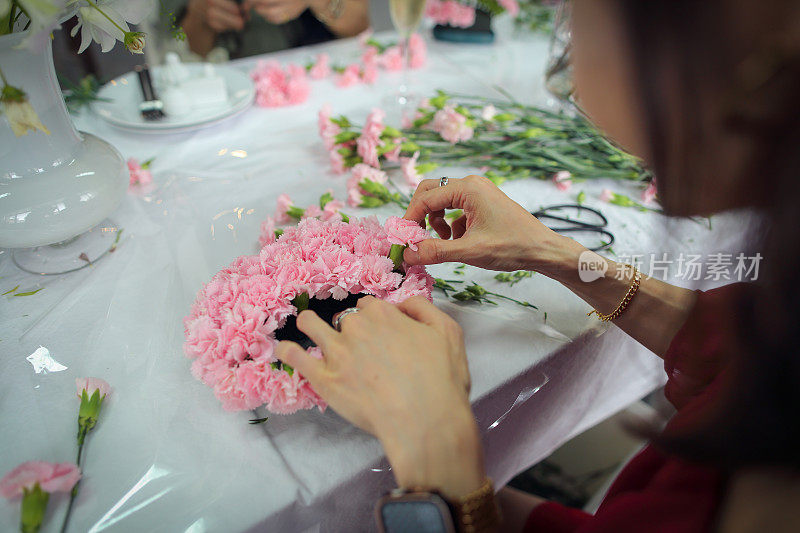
{"x": 586, "y": 220}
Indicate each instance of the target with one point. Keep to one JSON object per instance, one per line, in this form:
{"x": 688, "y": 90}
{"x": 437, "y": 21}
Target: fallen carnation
{"x": 139, "y": 175}
{"x": 562, "y": 180}
{"x": 321, "y": 68}
{"x": 276, "y": 87}
{"x": 649, "y": 194}
{"x": 92, "y": 384}
{"x": 51, "y": 477}
{"x": 451, "y": 125}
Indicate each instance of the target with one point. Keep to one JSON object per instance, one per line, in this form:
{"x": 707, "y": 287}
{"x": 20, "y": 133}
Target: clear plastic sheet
{"x": 165, "y": 456}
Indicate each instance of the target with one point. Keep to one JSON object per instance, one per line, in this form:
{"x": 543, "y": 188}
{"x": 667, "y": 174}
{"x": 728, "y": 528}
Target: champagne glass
{"x": 406, "y": 16}
{"x": 558, "y": 75}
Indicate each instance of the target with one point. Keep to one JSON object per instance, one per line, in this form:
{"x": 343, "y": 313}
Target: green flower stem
{"x": 509, "y": 298}
{"x": 72, "y": 495}
{"x": 94, "y": 5}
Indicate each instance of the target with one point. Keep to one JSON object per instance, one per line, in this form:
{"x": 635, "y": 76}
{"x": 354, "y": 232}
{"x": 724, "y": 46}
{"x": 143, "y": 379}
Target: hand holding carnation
{"x": 399, "y": 372}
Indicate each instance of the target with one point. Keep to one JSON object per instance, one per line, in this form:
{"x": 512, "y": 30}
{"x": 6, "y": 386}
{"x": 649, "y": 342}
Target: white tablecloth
{"x": 165, "y": 456}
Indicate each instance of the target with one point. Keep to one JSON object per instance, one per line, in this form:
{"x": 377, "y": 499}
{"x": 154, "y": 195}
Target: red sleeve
{"x": 552, "y": 517}
{"x": 703, "y": 346}
{"x": 656, "y": 492}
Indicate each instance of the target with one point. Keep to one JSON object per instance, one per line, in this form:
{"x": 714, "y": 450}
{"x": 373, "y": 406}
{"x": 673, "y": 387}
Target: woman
{"x": 706, "y": 92}
{"x": 249, "y": 27}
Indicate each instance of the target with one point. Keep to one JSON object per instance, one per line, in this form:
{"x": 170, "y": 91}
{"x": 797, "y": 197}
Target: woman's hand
{"x": 494, "y": 232}
{"x": 219, "y": 15}
{"x": 400, "y": 373}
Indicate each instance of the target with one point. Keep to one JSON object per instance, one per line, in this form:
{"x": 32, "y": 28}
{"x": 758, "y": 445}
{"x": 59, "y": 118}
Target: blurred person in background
{"x": 249, "y": 27}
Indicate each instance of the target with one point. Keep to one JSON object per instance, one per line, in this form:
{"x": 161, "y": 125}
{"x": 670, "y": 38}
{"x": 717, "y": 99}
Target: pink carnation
{"x": 138, "y": 175}
{"x": 51, "y": 477}
{"x": 363, "y": 172}
{"x": 267, "y": 233}
{"x": 511, "y": 6}
{"x": 367, "y": 148}
{"x": 370, "y": 56}
{"x": 391, "y": 58}
{"x": 417, "y": 51}
{"x": 606, "y": 195}
{"x": 405, "y": 232}
{"x": 328, "y": 130}
{"x": 230, "y": 332}
{"x": 92, "y": 384}
{"x": 451, "y": 125}
{"x": 337, "y": 162}
{"x": 350, "y": 76}
{"x": 331, "y": 210}
{"x": 321, "y": 68}
{"x": 649, "y": 194}
{"x": 450, "y": 12}
{"x": 282, "y": 208}
{"x": 277, "y": 87}
{"x": 562, "y": 180}
{"x": 369, "y": 74}
{"x": 408, "y": 165}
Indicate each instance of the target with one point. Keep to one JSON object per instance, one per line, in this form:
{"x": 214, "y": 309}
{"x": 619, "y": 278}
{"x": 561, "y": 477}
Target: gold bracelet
{"x": 478, "y": 511}
{"x": 637, "y": 280}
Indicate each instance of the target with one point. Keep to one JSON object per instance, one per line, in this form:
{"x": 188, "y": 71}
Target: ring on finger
{"x": 337, "y": 321}
{"x": 443, "y": 181}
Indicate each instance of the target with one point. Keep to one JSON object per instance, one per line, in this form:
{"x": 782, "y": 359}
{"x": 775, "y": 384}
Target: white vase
{"x": 52, "y": 187}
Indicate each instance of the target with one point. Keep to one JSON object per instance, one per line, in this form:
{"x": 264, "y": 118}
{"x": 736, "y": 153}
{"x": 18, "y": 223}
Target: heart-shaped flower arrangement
{"x": 247, "y": 308}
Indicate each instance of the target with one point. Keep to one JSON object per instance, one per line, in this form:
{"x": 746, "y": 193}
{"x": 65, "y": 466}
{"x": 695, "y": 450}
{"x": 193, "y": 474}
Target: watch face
{"x": 415, "y": 517}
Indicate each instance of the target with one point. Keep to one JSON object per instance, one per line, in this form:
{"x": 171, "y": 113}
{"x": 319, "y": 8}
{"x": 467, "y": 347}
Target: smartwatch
{"x": 403, "y": 511}
{"x": 427, "y": 511}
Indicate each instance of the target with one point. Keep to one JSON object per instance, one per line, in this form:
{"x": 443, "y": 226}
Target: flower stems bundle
{"x": 505, "y": 139}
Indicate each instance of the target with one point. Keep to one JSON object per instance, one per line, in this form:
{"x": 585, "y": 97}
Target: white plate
{"x": 125, "y": 95}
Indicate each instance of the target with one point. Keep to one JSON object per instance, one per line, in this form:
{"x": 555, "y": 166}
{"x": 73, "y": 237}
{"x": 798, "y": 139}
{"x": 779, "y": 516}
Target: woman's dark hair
{"x": 690, "y": 56}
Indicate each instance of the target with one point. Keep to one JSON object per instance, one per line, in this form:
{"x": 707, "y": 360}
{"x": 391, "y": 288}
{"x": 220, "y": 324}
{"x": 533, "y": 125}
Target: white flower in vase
{"x": 19, "y": 112}
{"x": 106, "y": 22}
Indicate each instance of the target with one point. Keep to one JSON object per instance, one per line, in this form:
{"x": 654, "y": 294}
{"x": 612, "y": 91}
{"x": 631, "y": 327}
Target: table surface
{"x": 165, "y": 456}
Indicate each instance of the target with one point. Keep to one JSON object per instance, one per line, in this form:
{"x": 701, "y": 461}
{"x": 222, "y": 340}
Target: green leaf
{"x": 439, "y": 101}
{"x": 409, "y": 146}
{"x": 345, "y": 136}
{"x": 371, "y": 201}
{"x": 295, "y": 212}
{"x": 342, "y": 121}
{"x": 391, "y": 132}
{"x": 374, "y": 188}
{"x": 423, "y": 120}
{"x": 396, "y": 255}
{"x": 301, "y": 302}
{"x": 424, "y": 168}
{"x": 12, "y": 94}
{"x": 29, "y": 293}
{"x": 581, "y": 198}
{"x": 324, "y": 199}
{"x": 386, "y": 148}
{"x": 9, "y": 292}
